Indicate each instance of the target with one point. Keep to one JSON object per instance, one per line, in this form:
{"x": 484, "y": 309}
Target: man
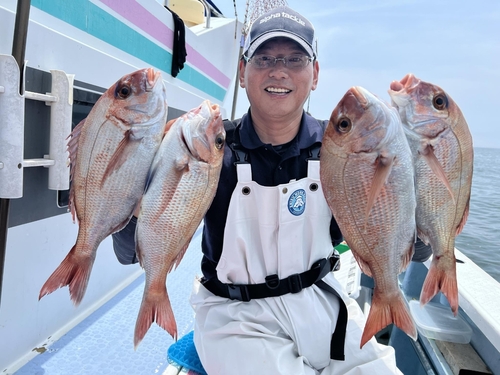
{"x": 267, "y": 302}
{"x": 278, "y": 225}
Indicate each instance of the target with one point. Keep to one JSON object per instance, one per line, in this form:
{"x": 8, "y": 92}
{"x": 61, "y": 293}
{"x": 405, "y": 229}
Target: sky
{"x": 454, "y": 44}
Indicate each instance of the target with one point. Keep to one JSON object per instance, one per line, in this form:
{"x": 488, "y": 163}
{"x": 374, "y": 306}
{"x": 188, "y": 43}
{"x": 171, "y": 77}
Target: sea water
{"x": 480, "y": 237}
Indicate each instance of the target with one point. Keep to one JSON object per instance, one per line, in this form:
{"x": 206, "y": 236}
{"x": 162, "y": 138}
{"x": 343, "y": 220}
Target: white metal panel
{"x": 11, "y": 129}
{"x": 34, "y": 251}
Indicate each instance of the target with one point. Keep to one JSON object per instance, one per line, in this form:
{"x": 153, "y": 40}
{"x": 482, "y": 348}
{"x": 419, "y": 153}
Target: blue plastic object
{"x": 183, "y": 353}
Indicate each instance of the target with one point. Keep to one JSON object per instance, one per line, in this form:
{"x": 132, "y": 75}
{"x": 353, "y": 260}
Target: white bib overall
{"x": 279, "y": 230}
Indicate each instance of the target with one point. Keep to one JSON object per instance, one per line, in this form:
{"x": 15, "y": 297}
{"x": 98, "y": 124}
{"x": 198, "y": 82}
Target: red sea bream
{"x": 367, "y": 178}
{"x": 110, "y": 154}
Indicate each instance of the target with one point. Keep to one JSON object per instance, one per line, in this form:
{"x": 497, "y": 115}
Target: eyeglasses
{"x": 268, "y": 61}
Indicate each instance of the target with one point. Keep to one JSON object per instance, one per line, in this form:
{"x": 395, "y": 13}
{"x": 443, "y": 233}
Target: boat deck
{"x": 103, "y": 342}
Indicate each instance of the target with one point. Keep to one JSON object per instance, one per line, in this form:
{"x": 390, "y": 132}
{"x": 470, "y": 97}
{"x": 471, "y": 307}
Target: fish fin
{"x": 441, "y": 278}
{"x": 464, "y": 218}
{"x": 179, "y": 256}
{"x": 73, "y": 271}
{"x": 434, "y": 164}
{"x": 72, "y": 148}
{"x": 138, "y": 251}
{"x": 423, "y": 236}
{"x": 365, "y": 268}
{"x": 120, "y": 155}
{"x": 149, "y": 178}
{"x": 121, "y": 225}
{"x": 406, "y": 257}
{"x": 384, "y": 312}
{"x": 182, "y": 162}
{"x": 155, "y": 307}
{"x": 384, "y": 167}
{"x": 169, "y": 125}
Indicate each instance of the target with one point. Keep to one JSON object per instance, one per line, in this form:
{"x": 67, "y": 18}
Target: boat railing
{"x": 60, "y": 99}
{"x": 208, "y": 13}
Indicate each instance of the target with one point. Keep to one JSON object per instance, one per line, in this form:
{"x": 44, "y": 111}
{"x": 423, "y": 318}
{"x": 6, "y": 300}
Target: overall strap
{"x": 314, "y": 155}
{"x": 313, "y": 162}
{"x": 243, "y": 168}
{"x": 337, "y": 343}
{"x": 274, "y": 287}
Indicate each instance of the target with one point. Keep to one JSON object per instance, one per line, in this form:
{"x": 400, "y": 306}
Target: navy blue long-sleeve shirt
{"x": 271, "y": 166}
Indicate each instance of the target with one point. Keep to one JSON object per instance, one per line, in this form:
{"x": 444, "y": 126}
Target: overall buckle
{"x": 272, "y": 281}
{"x": 294, "y": 283}
{"x": 238, "y": 292}
{"x": 335, "y": 261}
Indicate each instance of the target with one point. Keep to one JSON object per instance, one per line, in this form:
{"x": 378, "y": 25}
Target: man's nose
{"x": 279, "y": 69}
{"x": 282, "y": 59}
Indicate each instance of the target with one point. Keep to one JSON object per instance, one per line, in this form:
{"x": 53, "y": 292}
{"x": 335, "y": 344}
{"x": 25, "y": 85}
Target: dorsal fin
{"x": 72, "y": 148}
{"x": 464, "y": 218}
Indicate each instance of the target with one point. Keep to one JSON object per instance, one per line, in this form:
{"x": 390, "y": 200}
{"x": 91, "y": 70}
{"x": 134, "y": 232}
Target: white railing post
{"x": 12, "y": 106}
{"x": 60, "y": 128}
{"x": 11, "y": 129}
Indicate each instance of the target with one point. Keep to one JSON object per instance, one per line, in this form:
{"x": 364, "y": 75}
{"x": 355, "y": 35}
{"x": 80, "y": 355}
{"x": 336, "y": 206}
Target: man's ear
{"x": 315, "y": 75}
{"x": 242, "y": 67}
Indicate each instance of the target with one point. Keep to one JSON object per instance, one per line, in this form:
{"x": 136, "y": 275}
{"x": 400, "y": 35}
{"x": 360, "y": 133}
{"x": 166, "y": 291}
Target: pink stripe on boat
{"x": 143, "y": 19}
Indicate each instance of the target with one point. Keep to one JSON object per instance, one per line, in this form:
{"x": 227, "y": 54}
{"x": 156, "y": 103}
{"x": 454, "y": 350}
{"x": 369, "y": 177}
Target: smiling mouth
{"x": 275, "y": 90}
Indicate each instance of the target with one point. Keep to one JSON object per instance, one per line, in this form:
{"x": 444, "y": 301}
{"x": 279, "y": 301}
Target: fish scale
{"x": 366, "y": 162}
{"x": 184, "y": 178}
{"x": 441, "y": 145}
{"x": 110, "y": 152}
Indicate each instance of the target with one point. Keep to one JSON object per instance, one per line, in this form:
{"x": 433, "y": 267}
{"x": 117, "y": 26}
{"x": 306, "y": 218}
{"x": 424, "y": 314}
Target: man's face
{"x": 278, "y": 92}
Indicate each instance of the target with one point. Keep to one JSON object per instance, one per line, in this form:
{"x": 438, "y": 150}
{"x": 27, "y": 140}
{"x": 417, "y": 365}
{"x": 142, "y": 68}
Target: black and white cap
{"x": 281, "y": 22}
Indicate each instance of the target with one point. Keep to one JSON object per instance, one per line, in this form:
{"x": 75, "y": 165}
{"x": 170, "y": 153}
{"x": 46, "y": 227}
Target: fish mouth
{"x": 354, "y": 101}
{"x": 399, "y": 90}
{"x": 187, "y": 144}
{"x": 361, "y": 95}
{"x": 403, "y": 94}
{"x": 377, "y": 111}
{"x": 152, "y": 78}
{"x": 408, "y": 82}
{"x": 365, "y": 99}
{"x": 190, "y": 135}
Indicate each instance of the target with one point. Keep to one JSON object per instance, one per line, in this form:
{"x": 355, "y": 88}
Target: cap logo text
{"x": 284, "y": 15}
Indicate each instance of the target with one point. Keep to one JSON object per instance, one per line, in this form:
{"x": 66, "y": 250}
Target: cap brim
{"x": 275, "y": 34}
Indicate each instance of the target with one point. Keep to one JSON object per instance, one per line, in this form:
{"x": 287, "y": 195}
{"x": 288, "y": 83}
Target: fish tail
{"x": 73, "y": 271}
{"x": 384, "y": 312}
{"x": 442, "y": 277}
{"x": 155, "y": 307}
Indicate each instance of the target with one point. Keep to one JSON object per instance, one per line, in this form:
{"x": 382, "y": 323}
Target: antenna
{"x": 256, "y": 8}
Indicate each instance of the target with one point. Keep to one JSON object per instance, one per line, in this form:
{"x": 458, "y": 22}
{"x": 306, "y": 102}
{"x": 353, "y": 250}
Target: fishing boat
{"x": 68, "y": 54}
{"x": 56, "y": 58}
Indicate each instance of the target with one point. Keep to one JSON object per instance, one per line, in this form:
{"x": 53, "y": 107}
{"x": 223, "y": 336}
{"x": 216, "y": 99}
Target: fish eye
{"x": 344, "y": 125}
{"x": 440, "y": 102}
{"x": 219, "y": 141}
{"x": 123, "y": 92}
